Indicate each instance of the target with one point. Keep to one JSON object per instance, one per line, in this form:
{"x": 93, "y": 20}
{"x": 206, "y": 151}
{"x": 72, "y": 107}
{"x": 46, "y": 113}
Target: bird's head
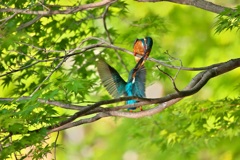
{"x": 148, "y": 42}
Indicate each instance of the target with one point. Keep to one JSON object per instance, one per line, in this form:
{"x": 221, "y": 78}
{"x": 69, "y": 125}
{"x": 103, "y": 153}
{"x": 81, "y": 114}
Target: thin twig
{"x": 29, "y": 23}
{"x": 15, "y": 155}
{"x": 20, "y": 69}
{"x": 170, "y": 77}
{"x": 104, "y": 15}
{"x": 59, "y": 65}
{"x": 174, "y": 58}
{"x": 5, "y": 138}
{"x": 101, "y": 44}
{"x": 49, "y": 75}
{"x": 7, "y": 19}
{"x": 55, "y": 146}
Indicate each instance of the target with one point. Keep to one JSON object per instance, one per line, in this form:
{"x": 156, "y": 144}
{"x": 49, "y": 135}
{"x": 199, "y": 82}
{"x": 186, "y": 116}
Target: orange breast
{"x": 138, "y": 48}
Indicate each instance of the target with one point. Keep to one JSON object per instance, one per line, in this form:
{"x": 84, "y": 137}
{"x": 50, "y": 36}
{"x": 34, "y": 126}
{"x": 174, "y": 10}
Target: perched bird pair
{"x": 135, "y": 86}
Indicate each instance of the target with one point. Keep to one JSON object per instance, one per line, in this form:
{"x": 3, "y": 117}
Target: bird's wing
{"x": 111, "y": 80}
{"x": 139, "y": 84}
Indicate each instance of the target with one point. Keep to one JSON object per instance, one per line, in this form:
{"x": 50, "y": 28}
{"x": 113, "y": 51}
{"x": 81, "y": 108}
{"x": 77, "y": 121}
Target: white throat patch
{"x": 133, "y": 80}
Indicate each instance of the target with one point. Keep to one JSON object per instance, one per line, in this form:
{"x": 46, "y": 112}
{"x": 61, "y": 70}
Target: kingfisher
{"x": 117, "y": 87}
{"x": 143, "y": 47}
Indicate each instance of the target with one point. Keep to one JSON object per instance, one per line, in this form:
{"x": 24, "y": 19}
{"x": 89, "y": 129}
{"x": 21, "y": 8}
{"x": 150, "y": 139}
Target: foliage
{"x": 229, "y": 22}
{"x": 46, "y": 60}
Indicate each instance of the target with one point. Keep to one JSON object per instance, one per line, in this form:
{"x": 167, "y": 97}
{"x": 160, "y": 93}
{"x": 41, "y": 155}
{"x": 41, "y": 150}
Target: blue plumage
{"x": 116, "y": 86}
{"x": 148, "y": 43}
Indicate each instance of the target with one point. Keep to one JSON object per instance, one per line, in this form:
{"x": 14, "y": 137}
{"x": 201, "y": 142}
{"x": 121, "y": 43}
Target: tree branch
{"x": 209, "y": 6}
{"x": 101, "y": 44}
{"x": 193, "y": 87}
{"x": 29, "y": 23}
{"x": 43, "y": 101}
{"x": 69, "y": 10}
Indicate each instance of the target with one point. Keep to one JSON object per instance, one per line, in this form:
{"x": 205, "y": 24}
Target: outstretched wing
{"x": 111, "y": 80}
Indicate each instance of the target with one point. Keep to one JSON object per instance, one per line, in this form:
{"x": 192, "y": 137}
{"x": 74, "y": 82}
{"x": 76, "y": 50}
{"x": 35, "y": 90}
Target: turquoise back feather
{"x": 136, "y": 85}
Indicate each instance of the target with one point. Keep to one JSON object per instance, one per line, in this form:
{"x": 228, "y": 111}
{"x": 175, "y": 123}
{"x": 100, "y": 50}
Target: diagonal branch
{"x": 194, "y": 86}
{"x": 29, "y": 23}
{"x": 209, "y": 6}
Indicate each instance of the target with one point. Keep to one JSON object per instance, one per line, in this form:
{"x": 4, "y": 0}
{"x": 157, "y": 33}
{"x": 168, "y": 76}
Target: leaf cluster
{"x": 228, "y": 20}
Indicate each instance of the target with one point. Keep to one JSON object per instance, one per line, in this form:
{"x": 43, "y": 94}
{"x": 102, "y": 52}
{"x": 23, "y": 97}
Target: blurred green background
{"x": 179, "y": 132}
{"x": 204, "y": 126}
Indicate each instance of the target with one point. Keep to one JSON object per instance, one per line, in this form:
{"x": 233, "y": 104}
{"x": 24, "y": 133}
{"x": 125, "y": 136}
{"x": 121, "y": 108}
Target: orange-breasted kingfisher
{"x": 117, "y": 87}
{"x": 142, "y": 47}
